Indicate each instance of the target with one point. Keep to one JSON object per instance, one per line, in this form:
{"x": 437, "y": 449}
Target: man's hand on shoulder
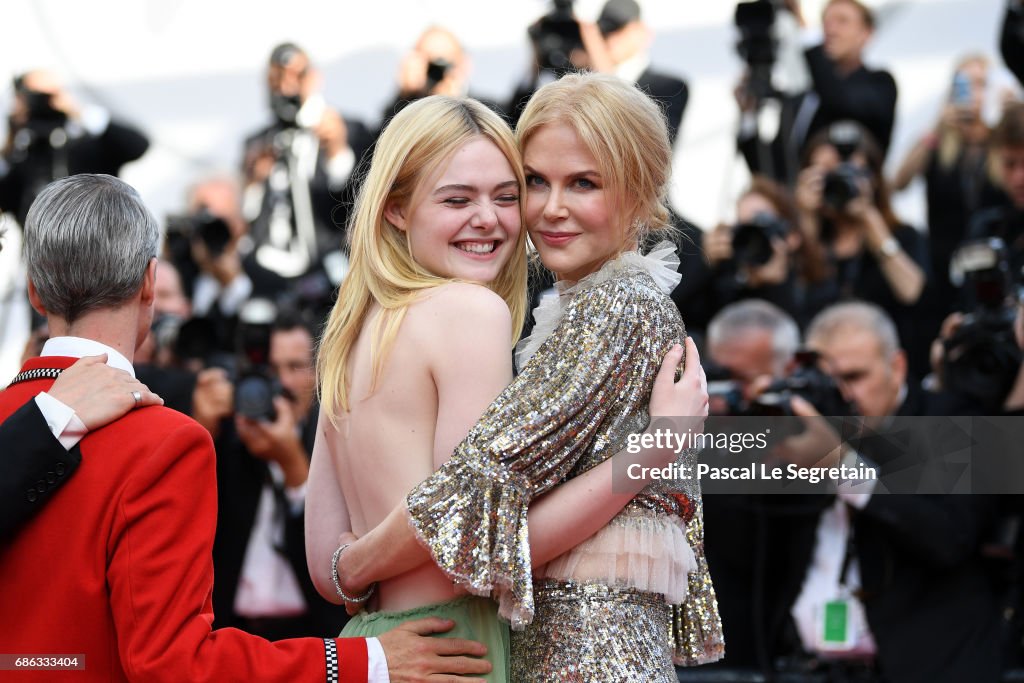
{"x": 99, "y": 393}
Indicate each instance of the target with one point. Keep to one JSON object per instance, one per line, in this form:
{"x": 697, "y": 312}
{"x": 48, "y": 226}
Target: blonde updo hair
{"x": 624, "y": 130}
{"x": 416, "y": 143}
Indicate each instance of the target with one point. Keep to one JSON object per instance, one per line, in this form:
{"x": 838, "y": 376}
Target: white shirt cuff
{"x": 377, "y": 663}
{"x": 62, "y": 420}
{"x": 296, "y": 496}
{"x": 95, "y": 120}
{"x": 235, "y": 294}
{"x": 339, "y": 168}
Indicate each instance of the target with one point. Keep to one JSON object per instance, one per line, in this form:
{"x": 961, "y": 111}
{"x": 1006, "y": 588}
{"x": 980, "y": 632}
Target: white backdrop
{"x": 190, "y": 73}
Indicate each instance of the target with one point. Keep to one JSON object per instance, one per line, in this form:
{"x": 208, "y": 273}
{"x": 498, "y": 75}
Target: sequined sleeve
{"x": 471, "y": 513}
{"x": 697, "y": 625}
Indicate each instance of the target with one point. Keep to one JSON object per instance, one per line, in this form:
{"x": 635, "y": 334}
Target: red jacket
{"x": 117, "y": 566}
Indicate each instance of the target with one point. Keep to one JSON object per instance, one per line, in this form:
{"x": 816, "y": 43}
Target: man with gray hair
{"x": 890, "y": 563}
{"x": 751, "y": 339}
{"x": 120, "y": 557}
{"x": 859, "y": 344}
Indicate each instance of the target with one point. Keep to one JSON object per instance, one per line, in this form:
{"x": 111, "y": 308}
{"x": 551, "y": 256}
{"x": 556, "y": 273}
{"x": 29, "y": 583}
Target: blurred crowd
{"x": 816, "y": 277}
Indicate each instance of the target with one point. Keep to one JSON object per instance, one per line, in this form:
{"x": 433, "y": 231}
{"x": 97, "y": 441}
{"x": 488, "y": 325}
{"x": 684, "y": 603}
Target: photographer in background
{"x": 1006, "y": 222}
{"x": 953, "y": 159}
{"x": 748, "y": 342}
{"x": 561, "y": 44}
{"x": 843, "y": 202}
{"x": 841, "y": 86}
{"x": 628, "y": 42}
{"x": 298, "y": 172}
{"x": 436, "y": 65}
{"x": 264, "y": 415}
{"x": 906, "y": 569}
{"x": 618, "y": 43}
{"x": 49, "y": 137}
{"x": 977, "y": 355}
{"x": 764, "y": 255}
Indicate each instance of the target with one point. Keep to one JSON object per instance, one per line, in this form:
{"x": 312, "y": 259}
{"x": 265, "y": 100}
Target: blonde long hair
{"x": 382, "y": 270}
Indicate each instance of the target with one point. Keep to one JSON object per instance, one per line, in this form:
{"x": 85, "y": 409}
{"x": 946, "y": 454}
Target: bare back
{"x": 426, "y": 398}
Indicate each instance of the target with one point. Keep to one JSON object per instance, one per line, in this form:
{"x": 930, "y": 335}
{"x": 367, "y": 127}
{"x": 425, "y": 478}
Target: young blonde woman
{"x": 635, "y": 595}
{"x": 415, "y": 350}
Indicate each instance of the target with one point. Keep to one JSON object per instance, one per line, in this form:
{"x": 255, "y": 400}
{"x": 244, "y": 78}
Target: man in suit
{"x": 299, "y": 181}
{"x": 262, "y": 582}
{"x": 842, "y": 87}
{"x": 908, "y": 568}
{"x": 628, "y": 40}
{"x": 50, "y": 136}
{"x": 116, "y": 568}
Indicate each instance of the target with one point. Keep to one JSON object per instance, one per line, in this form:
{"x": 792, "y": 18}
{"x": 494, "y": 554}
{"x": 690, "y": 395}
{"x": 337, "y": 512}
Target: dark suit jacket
{"x": 929, "y": 599}
{"x": 35, "y": 465}
{"x": 104, "y": 153}
{"x": 671, "y": 93}
{"x": 117, "y": 567}
{"x": 865, "y": 96}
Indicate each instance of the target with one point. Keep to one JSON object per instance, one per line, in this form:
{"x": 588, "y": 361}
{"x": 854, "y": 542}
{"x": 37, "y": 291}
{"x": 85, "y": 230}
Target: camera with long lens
{"x": 555, "y": 36}
{"x": 256, "y": 385}
{"x": 981, "y": 359}
{"x": 44, "y": 123}
{"x": 757, "y": 45}
{"x": 184, "y": 230}
{"x": 808, "y": 382}
{"x": 842, "y": 184}
{"x": 752, "y": 242}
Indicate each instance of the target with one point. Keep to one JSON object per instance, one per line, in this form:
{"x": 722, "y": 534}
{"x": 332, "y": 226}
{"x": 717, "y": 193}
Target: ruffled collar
{"x": 661, "y": 263}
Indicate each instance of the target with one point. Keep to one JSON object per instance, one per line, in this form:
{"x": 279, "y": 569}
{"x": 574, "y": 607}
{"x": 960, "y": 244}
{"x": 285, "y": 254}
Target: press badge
{"x": 835, "y": 625}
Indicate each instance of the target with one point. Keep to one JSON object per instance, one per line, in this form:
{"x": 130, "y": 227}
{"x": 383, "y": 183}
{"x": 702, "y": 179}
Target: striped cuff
{"x": 331, "y": 654}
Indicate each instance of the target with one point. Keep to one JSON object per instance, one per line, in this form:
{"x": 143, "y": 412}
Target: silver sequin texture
{"x": 572, "y": 407}
{"x": 592, "y": 633}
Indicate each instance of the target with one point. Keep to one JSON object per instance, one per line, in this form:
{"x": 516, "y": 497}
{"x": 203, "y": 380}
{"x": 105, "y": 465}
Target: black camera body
{"x": 44, "y": 127}
{"x": 808, "y": 382}
{"x": 981, "y": 359}
{"x": 757, "y": 45}
{"x": 182, "y": 230}
{"x": 256, "y": 387}
{"x": 843, "y": 184}
{"x": 752, "y": 241}
{"x": 437, "y": 69}
{"x": 555, "y": 36}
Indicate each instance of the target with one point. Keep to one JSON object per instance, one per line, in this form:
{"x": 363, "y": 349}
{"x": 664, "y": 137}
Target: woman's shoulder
{"x": 456, "y": 304}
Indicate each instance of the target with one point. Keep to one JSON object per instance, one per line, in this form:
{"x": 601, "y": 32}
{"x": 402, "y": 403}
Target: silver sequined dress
{"x": 637, "y": 595}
